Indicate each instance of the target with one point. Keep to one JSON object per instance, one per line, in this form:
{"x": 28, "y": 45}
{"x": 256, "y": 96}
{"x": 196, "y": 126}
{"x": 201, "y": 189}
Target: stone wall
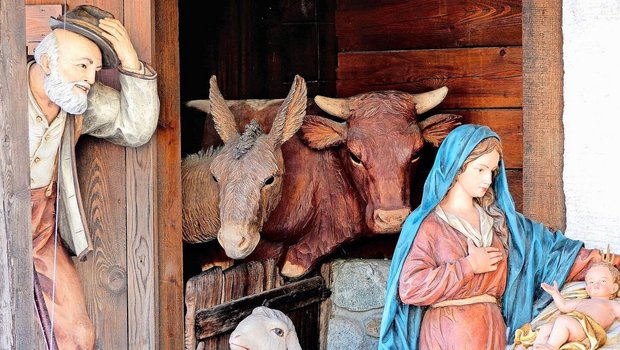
{"x": 358, "y": 295}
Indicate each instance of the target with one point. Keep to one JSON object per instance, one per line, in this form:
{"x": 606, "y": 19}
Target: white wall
{"x": 591, "y": 30}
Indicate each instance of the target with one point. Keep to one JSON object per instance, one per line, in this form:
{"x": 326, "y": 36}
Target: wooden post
{"x": 16, "y": 294}
{"x": 169, "y": 239}
{"x": 543, "y": 132}
{"x": 140, "y": 172}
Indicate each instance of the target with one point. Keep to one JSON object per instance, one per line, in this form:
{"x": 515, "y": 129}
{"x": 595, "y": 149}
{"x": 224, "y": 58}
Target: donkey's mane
{"x": 248, "y": 139}
{"x": 203, "y": 153}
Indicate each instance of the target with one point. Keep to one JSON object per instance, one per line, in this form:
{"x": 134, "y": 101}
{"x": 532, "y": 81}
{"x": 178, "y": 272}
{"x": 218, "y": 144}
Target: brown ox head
{"x": 379, "y": 136}
{"x": 249, "y": 168}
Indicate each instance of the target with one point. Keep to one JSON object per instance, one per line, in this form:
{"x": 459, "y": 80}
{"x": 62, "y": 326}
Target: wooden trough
{"x": 217, "y": 300}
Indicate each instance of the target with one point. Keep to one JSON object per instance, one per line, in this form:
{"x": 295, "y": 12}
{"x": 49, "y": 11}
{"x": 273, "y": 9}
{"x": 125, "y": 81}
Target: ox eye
{"x": 278, "y": 331}
{"x": 269, "y": 180}
{"x": 214, "y": 178}
{"x": 355, "y": 159}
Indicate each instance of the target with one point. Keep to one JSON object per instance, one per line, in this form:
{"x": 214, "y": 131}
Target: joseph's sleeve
{"x": 128, "y": 117}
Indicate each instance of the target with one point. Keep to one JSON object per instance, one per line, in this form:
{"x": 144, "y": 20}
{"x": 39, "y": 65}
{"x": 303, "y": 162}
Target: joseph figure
{"x": 64, "y": 102}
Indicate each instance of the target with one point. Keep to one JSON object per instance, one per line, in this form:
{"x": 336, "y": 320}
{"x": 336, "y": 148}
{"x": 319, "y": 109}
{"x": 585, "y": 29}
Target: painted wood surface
{"x": 17, "y": 325}
{"x": 104, "y": 277}
{"x": 508, "y": 123}
{"x": 141, "y": 178}
{"x": 488, "y": 77}
{"x": 169, "y": 237}
{"x": 37, "y": 25}
{"x": 400, "y": 24}
{"x": 542, "y": 113}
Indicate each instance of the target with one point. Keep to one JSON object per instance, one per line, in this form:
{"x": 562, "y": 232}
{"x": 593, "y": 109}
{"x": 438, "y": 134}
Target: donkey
{"x": 230, "y": 191}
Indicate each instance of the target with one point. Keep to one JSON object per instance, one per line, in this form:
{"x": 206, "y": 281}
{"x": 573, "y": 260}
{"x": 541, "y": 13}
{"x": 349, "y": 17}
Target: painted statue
{"x": 344, "y": 178}
{"x": 64, "y": 102}
{"x": 467, "y": 268}
{"x": 241, "y": 182}
{"x": 265, "y": 329}
{"x": 583, "y": 323}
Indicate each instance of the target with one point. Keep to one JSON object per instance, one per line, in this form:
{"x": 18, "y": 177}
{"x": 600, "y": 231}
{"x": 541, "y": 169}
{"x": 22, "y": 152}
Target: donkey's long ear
{"x": 224, "y": 120}
{"x": 291, "y": 113}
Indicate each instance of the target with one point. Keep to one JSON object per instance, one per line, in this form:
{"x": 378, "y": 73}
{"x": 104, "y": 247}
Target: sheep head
{"x": 265, "y": 329}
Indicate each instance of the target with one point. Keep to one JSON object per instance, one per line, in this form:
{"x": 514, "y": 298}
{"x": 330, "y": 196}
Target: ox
{"x": 344, "y": 178}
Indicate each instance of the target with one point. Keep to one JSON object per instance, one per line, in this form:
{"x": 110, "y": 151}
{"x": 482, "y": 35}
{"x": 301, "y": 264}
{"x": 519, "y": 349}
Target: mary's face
{"x": 478, "y": 175}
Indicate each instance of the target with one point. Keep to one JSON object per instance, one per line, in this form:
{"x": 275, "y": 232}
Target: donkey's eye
{"x": 269, "y": 180}
{"x": 355, "y": 159}
{"x": 214, "y": 178}
{"x": 278, "y": 331}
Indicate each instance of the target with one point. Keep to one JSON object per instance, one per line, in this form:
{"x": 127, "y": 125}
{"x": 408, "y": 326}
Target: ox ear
{"x": 291, "y": 113}
{"x": 224, "y": 120}
{"x": 201, "y": 105}
{"x": 435, "y": 128}
{"x": 320, "y": 133}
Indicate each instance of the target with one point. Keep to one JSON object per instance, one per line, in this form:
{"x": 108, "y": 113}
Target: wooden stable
{"x": 134, "y": 279}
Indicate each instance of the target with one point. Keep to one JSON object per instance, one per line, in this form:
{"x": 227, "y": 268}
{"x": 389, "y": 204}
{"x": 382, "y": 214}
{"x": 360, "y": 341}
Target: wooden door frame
{"x": 543, "y": 107}
{"x": 155, "y": 217}
{"x": 16, "y": 320}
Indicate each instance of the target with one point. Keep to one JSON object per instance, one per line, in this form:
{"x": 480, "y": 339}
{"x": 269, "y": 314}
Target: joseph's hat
{"x": 84, "y": 20}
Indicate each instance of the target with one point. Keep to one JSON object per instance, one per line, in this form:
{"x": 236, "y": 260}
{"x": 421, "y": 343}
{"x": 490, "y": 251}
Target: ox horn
{"x": 426, "y": 101}
{"x": 338, "y": 107}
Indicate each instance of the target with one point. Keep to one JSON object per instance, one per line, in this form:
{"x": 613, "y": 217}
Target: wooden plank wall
{"x": 255, "y": 48}
{"x": 17, "y": 327}
{"x": 133, "y": 215}
{"x": 473, "y": 47}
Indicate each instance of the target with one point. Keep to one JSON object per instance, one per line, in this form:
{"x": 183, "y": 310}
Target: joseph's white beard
{"x": 61, "y": 93}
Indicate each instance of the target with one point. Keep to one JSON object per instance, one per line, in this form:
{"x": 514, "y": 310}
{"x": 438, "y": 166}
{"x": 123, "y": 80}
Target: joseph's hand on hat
{"x": 116, "y": 33}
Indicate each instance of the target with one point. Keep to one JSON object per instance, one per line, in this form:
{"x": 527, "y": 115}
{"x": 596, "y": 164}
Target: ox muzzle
{"x": 389, "y": 221}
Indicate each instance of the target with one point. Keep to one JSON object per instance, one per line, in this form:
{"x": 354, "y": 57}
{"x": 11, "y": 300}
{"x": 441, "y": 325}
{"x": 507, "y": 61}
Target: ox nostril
{"x": 391, "y": 217}
{"x": 242, "y": 241}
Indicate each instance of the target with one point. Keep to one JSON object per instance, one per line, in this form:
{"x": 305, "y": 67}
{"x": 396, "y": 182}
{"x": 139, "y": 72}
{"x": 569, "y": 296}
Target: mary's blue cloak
{"x": 535, "y": 254}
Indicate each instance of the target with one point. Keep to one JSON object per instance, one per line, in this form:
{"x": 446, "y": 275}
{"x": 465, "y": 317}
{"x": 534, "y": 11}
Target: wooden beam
{"x": 370, "y": 25}
{"x": 17, "y": 326}
{"x": 226, "y": 316}
{"x": 141, "y": 177}
{"x": 169, "y": 235}
{"x": 488, "y": 77}
{"x": 543, "y": 132}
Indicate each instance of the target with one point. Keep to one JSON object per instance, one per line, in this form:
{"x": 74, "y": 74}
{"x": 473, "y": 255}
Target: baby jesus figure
{"x": 583, "y": 321}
